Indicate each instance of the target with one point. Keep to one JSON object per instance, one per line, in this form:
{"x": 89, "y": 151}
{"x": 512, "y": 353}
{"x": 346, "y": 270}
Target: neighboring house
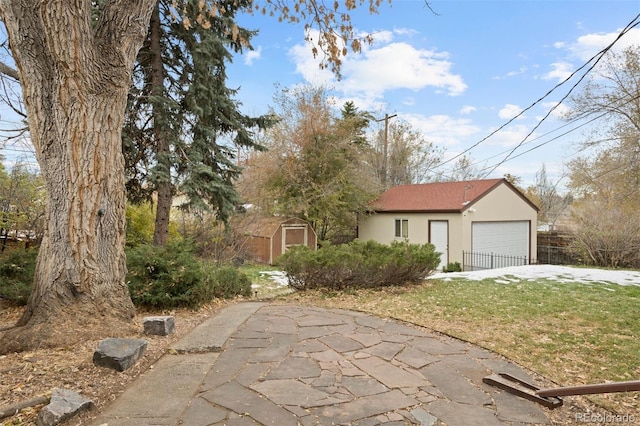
{"x": 269, "y": 237}
{"x": 487, "y": 220}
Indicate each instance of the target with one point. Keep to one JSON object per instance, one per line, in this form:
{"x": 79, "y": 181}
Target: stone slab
{"x": 454, "y": 386}
{"x": 159, "y": 325}
{"x": 365, "y": 407}
{"x": 390, "y": 375}
{"x": 139, "y": 404}
{"x": 63, "y": 405}
{"x": 456, "y": 414}
{"x": 212, "y": 334}
{"x": 243, "y": 401}
{"x": 119, "y": 354}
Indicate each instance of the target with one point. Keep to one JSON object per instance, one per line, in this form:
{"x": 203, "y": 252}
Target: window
{"x": 402, "y": 228}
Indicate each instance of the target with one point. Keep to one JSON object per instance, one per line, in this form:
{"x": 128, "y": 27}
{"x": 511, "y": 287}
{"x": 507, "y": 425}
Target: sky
{"x": 457, "y": 73}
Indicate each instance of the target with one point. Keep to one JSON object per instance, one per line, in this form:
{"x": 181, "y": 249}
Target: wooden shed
{"x": 270, "y": 237}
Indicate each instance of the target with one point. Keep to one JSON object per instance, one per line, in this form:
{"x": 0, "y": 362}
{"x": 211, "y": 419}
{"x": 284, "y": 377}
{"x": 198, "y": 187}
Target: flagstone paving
{"x": 290, "y": 365}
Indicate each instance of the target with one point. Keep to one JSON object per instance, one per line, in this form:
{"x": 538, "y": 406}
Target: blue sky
{"x": 456, "y": 76}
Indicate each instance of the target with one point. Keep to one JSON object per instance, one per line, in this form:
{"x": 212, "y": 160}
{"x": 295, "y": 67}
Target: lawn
{"x": 570, "y": 332}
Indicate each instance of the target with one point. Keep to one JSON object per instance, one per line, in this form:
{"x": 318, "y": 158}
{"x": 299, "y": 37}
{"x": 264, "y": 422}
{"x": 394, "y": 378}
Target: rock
{"x": 159, "y": 326}
{"x": 63, "y": 405}
{"x": 119, "y": 354}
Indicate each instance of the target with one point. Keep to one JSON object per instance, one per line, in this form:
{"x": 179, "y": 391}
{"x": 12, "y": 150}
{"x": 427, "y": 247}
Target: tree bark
{"x": 163, "y": 171}
{"x": 75, "y": 75}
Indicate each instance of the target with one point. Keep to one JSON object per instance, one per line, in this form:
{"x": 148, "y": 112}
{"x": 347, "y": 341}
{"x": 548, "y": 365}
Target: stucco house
{"x": 489, "y": 220}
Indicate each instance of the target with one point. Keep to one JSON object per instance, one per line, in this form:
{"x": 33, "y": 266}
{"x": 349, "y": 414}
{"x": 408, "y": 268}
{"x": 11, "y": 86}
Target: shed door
{"x": 501, "y": 238}
{"x": 439, "y": 237}
{"x": 293, "y": 236}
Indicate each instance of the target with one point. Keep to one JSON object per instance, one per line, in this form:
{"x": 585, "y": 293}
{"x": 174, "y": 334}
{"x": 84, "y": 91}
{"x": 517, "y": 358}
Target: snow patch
{"x": 563, "y": 274}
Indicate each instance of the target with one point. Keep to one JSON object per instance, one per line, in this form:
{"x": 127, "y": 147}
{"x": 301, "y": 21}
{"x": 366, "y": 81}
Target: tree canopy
{"x": 183, "y": 126}
{"x": 606, "y": 179}
{"x": 74, "y": 61}
{"x": 314, "y": 166}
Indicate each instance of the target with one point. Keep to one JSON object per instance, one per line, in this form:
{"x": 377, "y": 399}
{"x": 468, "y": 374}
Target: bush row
{"x": 16, "y": 274}
{"x": 158, "y": 277}
{"x": 358, "y": 264}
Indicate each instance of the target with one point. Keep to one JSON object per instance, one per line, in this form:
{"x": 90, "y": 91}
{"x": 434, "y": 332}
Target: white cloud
{"x": 586, "y": 46}
{"x": 560, "y": 71}
{"x": 384, "y": 36}
{"x": 252, "y": 56}
{"x": 559, "y": 112}
{"x": 388, "y": 67}
{"x": 510, "y": 136}
{"x": 467, "y": 109}
{"x": 409, "y": 101}
{"x": 509, "y": 111}
{"x": 401, "y": 66}
{"x": 521, "y": 70}
{"x": 442, "y": 130}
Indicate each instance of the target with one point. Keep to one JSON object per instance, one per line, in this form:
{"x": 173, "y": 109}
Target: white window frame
{"x": 402, "y": 225}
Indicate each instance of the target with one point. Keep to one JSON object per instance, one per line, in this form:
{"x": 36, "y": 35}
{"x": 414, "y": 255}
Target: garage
{"x": 499, "y": 244}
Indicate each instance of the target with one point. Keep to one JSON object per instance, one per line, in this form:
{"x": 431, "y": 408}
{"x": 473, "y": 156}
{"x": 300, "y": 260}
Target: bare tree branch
{"x": 8, "y": 71}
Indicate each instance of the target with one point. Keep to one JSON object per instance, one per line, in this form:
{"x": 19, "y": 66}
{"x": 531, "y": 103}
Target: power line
{"x": 598, "y": 56}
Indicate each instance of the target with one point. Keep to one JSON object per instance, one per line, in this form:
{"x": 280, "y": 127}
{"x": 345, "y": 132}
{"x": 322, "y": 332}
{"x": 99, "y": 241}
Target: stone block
{"x": 119, "y": 354}
{"x": 159, "y": 326}
{"x": 64, "y": 404}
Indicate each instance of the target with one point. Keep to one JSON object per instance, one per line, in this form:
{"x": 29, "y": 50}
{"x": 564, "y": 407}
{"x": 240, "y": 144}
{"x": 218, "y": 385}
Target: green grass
{"x": 588, "y": 330}
{"x": 262, "y": 283}
{"x": 571, "y": 333}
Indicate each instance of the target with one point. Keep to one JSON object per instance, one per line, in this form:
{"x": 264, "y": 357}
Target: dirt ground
{"x": 25, "y": 376}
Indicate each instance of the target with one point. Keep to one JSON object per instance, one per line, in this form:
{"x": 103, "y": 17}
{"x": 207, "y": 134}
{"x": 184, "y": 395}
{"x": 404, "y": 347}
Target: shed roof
{"x": 439, "y": 197}
{"x": 266, "y": 226}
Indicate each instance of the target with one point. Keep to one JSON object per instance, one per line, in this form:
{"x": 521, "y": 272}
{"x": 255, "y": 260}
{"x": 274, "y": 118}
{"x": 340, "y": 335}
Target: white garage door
{"x": 499, "y": 244}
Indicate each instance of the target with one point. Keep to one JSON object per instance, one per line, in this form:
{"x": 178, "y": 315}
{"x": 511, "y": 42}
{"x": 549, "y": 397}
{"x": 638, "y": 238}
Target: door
{"x": 499, "y": 244}
{"x": 295, "y": 235}
{"x": 439, "y": 237}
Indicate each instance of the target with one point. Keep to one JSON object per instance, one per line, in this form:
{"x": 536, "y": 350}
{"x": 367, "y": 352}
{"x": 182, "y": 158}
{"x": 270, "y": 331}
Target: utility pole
{"x": 385, "y": 147}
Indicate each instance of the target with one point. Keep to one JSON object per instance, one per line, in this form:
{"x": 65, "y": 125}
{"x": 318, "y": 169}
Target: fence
{"x": 478, "y": 261}
{"x": 554, "y": 255}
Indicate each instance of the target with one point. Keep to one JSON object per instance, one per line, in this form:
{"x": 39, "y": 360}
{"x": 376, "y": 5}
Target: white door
{"x": 439, "y": 237}
{"x": 499, "y": 244}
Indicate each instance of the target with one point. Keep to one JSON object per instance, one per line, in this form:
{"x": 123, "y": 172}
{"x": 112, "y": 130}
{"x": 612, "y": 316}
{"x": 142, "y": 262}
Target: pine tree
{"x": 183, "y": 126}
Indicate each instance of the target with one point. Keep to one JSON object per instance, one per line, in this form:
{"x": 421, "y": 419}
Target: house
{"x": 269, "y": 237}
{"x": 480, "y": 223}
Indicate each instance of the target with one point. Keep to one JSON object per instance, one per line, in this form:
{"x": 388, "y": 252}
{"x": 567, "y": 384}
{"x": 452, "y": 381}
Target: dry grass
{"x": 24, "y": 376}
{"x": 569, "y": 334}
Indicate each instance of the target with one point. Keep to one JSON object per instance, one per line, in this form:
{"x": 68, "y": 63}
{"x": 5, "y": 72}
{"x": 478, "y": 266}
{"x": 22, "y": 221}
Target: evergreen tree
{"x": 183, "y": 126}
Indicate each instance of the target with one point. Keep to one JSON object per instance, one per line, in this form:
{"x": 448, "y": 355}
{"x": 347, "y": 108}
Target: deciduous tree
{"x": 410, "y": 157}
{"x": 606, "y": 181}
{"x": 313, "y": 167}
{"x": 74, "y": 61}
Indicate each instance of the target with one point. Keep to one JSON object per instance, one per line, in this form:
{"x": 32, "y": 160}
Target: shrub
{"x": 452, "y": 267}
{"x": 358, "y": 264}
{"x": 172, "y": 276}
{"x": 229, "y": 282}
{"x": 17, "y": 269}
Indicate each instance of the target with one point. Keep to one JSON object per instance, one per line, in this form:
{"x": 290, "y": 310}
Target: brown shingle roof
{"x": 436, "y": 197}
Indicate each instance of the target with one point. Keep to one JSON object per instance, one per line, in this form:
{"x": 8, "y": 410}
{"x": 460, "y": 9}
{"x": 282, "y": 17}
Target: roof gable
{"x": 438, "y": 197}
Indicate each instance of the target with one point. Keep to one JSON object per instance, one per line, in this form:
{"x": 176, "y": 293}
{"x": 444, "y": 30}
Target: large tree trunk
{"x": 75, "y": 75}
